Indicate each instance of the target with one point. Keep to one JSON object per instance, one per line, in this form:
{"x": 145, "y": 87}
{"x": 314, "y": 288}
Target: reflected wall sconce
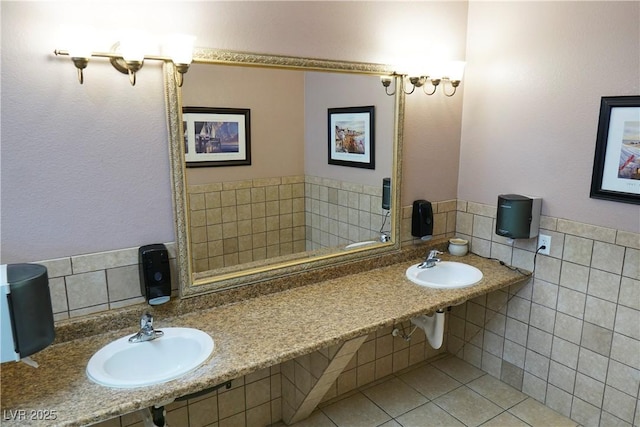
{"x": 453, "y": 77}
{"x": 128, "y": 57}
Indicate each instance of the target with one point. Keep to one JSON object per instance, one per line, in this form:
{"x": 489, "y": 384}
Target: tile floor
{"x": 447, "y": 392}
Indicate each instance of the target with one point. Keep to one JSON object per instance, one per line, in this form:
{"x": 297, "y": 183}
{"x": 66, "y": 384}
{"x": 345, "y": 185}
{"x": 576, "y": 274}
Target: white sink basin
{"x": 445, "y": 275}
{"x": 122, "y": 364}
{"x": 359, "y": 244}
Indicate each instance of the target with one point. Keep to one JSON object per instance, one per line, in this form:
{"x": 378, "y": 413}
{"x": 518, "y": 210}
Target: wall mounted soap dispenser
{"x": 422, "y": 219}
{"x": 26, "y": 315}
{"x": 386, "y": 193}
{"x": 155, "y": 274}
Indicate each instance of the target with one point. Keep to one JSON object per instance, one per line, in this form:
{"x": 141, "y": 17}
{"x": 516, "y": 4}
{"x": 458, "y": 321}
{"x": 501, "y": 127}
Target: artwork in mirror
{"x": 352, "y": 137}
{"x": 288, "y": 210}
{"x": 216, "y": 136}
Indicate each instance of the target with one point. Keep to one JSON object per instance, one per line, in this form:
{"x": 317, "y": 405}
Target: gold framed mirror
{"x": 238, "y": 225}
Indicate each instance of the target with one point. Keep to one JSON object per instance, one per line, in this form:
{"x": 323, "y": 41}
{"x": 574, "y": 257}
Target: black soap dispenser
{"x": 155, "y": 274}
{"x": 422, "y": 219}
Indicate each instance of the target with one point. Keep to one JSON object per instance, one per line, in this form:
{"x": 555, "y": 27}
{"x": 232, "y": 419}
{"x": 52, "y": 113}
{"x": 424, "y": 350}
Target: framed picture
{"x": 216, "y": 136}
{"x": 351, "y": 137}
{"x": 616, "y": 165}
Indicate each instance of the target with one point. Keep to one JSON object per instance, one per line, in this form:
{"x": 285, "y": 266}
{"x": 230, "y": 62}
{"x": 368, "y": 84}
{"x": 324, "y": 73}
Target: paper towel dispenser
{"x": 518, "y": 217}
{"x": 25, "y": 310}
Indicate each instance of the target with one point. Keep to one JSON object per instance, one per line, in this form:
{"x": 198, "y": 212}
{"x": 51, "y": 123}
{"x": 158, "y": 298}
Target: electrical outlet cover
{"x": 544, "y": 240}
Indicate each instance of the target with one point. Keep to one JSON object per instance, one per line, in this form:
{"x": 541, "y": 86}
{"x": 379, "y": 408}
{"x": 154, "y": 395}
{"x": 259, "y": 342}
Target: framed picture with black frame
{"x": 216, "y": 136}
{"x": 352, "y": 137}
{"x": 616, "y": 164}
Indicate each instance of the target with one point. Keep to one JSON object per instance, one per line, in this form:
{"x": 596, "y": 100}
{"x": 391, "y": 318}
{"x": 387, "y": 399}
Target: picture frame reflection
{"x": 216, "y": 136}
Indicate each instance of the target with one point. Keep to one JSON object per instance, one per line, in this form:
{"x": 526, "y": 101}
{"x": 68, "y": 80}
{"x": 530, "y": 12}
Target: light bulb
{"x": 80, "y": 49}
{"x": 132, "y": 46}
{"x": 455, "y": 70}
{"x": 179, "y": 48}
{"x": 435, "y": 69}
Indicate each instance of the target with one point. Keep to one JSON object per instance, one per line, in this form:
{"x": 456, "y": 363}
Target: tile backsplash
{"x": 242, "y": 221}
{"x": 86, "y": 284}
{"x": 570, "y": 338}
{"x": 251, "y": 220}
{"x": 340, "y": 212}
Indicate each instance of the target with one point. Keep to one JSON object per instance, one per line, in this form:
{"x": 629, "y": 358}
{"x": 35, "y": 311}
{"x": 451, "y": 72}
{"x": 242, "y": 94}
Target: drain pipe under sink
{"x": 154, "y": 417}
{"x": 433, "y": 327}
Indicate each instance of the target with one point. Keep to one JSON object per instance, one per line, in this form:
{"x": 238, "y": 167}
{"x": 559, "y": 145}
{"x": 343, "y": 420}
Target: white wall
{"x": 84, "y": 167}
{"x": 535, "y": 74}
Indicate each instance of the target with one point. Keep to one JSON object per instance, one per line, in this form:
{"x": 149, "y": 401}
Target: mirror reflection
{"x": 293, "y": 203}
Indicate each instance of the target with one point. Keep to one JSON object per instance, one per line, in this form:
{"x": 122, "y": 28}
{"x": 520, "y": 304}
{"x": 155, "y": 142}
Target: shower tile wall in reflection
{"x": 242, "y": 221}
{"x": 341, "y": 212}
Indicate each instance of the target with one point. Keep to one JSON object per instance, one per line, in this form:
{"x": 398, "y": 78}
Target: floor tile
{"x": 468, "y": 406}
{"x": 356, "y": 411}
{"x": 458, "y": 369}
{"x": 496, "y": 391}
{"x": 505, "y": 419}
{"x": 536, "y": 414}
{"x": 430, "y": 381}
{"x": 395, "y": 397}
{"x": 402, "y": 400}
{"x": 428, "y": 415}
{"x": 316, "y": 419}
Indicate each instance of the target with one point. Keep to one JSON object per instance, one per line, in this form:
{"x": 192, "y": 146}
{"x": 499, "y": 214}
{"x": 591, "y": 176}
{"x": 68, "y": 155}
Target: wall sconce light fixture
{"x": 180, "y": 50}
{"x": 128, "y": 57}
{"x": 453, "y": 77}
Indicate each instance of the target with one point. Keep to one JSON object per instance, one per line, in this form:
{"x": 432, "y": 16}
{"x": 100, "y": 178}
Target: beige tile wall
{"x": 243, "y": 221}
{"x": 444, "y": 221}
{"x": 571, "y": 337}
{"x": 308, "y": 378}
{"x": 253, "y": 400}
{"x": 339, "y": 212}
{"x": 86, "y": 284}
{"x": 383, "y": 354}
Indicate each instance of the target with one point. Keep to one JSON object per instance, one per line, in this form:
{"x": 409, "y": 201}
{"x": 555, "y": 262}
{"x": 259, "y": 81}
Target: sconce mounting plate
{"x": 119, "y": 63}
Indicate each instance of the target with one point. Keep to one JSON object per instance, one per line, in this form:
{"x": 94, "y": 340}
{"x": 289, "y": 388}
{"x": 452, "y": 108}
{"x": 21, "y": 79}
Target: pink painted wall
{"x": 276, "y": 127}
{"x": 337, "y": 90}
{"x": 84, "y": 168}
{"x": 535, "y": 74}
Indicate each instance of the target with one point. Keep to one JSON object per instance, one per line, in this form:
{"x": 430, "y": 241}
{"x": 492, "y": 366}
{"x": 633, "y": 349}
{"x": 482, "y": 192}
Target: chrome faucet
{"x": 146, "y": 332}
{"x": 430, "y": 259}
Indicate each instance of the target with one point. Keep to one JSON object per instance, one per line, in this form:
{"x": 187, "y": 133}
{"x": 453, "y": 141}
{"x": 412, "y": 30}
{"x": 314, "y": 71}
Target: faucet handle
{"x": 434, "y": 252}
{"x": 146, "y": 321}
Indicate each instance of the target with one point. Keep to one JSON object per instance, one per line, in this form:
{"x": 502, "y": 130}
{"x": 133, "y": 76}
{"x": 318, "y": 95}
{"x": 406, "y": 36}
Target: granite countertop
{"x": 249, "y": 335}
